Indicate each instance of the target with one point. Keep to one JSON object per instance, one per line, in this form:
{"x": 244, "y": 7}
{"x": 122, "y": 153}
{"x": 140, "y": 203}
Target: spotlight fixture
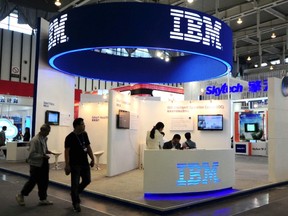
{"x": 57, "y": 3}
{"x": 239, "y": 21}
{"x": 190, "y": 1}
{"x": 271, "y": 67}
{"x": 273, "y": 35}
{"x": 159, "y": 54}
{"x": 248, "y": 58}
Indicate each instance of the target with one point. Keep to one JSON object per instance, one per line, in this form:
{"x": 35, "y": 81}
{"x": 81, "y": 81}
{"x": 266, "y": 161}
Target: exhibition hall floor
{"x": 251, "y": 173}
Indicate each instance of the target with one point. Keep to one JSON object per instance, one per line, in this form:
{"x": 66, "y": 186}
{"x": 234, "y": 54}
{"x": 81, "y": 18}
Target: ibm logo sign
{"x": 198, "y": 174}
{"x": 209, "y": 36}
{"x": 57, "y": 32}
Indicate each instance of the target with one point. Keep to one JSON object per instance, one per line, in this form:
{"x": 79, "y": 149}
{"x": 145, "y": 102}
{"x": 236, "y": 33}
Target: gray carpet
{"x": 60, "y": 207}
{"x": 251, "y": 172}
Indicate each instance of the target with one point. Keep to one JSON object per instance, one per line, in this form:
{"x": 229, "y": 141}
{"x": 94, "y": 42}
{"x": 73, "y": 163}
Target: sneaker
{"x": 20, "y": 199}
{"x": 45, "y": 202}
{"x": 77, "y": 207}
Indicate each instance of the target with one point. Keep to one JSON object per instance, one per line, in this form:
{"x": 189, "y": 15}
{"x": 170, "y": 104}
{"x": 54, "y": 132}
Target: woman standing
{"x": 27, "y": 135}
{"x": 154, "y": 139}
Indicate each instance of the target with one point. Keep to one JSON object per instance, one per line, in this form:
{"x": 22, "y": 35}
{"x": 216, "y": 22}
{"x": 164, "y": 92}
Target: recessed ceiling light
{"x": 57, "y": 3}
{"x": 273, "y": 35}
{"x": 239, "y": 21}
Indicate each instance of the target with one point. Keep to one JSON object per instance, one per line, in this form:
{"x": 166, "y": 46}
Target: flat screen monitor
{"x": 52, "y": 117}
{"x": 251, "y": 127}
{"x": 123, "y": 119}
{"x": 210, "y": 122}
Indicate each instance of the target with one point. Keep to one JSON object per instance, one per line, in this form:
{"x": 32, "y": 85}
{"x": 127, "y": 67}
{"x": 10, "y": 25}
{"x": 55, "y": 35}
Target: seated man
{"x": 174, "y": 143}
{"x": 188, "y": 144}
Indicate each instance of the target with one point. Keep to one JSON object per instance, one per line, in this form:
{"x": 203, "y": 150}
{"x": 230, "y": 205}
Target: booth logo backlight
{"x": 194, "y": 28}
{"x": 57, "y": 32}
{"x": 253, "y": 87}
{"x": 223, "y": 89}
{"x": 198, "y": 174}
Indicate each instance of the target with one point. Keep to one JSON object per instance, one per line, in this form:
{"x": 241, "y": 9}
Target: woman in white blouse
{"x": 154, "y": 139}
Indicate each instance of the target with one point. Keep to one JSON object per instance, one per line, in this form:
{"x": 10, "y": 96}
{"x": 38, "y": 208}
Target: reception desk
{"x": 17, "y": 151}
{"x": 186, "y": 171}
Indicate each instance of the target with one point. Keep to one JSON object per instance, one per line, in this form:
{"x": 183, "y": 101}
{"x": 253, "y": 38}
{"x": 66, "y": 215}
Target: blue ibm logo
{"x": 199, "y": 29}
{"x": 57, "y": 32}
{"x": 198, "y": 174}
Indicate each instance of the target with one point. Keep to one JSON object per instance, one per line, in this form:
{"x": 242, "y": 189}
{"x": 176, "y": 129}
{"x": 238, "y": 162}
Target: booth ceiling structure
{"x": 260, "y": 19}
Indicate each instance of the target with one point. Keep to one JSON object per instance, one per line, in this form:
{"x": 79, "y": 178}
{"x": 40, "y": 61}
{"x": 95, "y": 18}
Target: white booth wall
{"x": 277, "y": 132}
{"x": 179, "y": 115}
{"x": 94, "y": 110}
{"x": 123, "y": 148}
{"x": 55, "y": 91}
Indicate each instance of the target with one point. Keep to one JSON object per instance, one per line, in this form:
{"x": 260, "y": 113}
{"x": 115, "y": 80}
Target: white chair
{"x": 56, "y": 155}
{"x": 98, "y": 155}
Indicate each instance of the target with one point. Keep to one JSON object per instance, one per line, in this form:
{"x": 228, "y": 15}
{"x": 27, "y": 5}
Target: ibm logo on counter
{"x": 209, "y": 36}
{"x": 198, "y": 174}
{"x": 57, "y": 32}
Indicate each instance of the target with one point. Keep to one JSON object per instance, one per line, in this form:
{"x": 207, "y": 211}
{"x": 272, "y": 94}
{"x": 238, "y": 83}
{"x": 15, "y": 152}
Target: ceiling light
{"x": 264, "y": 64}
{"x": 271, "y": 67}
{"x": 248, "y": 58}
{"x": 273, "y": 35}
{"x": 190, "y": 1}
{"x": 239, "y": 21}
{"x": 57, "y": 3}
{"x": 158, "y": 54}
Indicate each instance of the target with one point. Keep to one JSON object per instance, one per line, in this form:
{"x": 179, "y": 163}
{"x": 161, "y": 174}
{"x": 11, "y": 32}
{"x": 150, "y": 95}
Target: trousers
{"x": 39, "y": 176}
{"x": 77, "y": 187}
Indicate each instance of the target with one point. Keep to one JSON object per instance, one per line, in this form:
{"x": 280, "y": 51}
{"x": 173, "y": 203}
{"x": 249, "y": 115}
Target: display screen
{"x": 52, "y": 117}
{"x": 123, "y": 119}
{"x": 251, "y": 127}
{"x": 210, "y": 122}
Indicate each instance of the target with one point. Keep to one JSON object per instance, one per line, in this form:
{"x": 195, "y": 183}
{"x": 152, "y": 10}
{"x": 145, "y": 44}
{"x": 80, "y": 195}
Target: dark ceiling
{"x": 45, "y": 5}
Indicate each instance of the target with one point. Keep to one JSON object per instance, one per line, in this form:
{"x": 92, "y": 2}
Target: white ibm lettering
{"x": 57, "y": 32}
{"x": 199, "y": 29}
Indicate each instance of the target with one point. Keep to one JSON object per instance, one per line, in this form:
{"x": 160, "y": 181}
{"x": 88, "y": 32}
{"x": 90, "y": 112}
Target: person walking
{"x": 39, "y": 167}
{"x": 77, "y": 147}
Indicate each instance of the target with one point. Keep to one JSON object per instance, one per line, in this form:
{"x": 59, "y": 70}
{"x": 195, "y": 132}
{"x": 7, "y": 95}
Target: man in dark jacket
{"x": 174, "y": 143}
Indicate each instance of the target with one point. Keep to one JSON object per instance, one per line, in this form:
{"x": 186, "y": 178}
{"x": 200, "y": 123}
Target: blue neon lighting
{"x": 181, "y": 180}
{"x": 192, "y": 196}
{"x": 73, "y": 35}
{"x": 195, "y": 174}
{"x": 198, "y": 174}
{"x": 210, "y": 173}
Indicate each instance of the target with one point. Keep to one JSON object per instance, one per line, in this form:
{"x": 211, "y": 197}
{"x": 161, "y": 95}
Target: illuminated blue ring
{"x": 134, "y": 25}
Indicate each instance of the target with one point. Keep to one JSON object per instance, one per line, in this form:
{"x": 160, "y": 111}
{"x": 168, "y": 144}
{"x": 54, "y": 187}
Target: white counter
{"x": 17, "y": 151}
{"x": 186, "y": 171}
